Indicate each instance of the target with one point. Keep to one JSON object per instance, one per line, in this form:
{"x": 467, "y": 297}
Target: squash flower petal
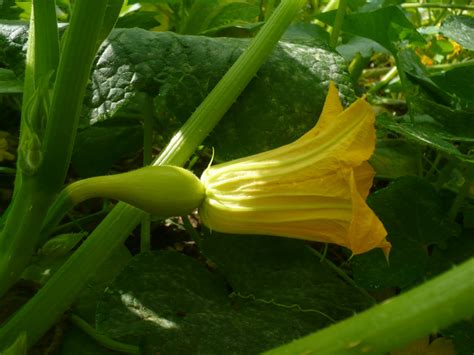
{"x": 313, "y": 189}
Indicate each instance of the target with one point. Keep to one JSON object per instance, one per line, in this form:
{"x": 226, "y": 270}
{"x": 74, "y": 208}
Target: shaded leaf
{"x": 99, "y": 146}
{"x": 61, "y": 245}
{"x": 459, "y": 28}
{"x": 427, "y": 133}
{"x": 233, "y": 14}
{"x": 9, "y": 10}
{"x": 414, "y": 216}
{"x": 76, "y": 342}
{"x": 365, "y": 46}
{"x": 439, "y": 346}
{"x": 394, "y": 158}
{"x": 277, "y": 107}
{"x": 372, "y": 5}
{"x": 462, "y": 335}
{"x": 183, "y": 308}
{"x": 306, "y": 34}
{"x": 458, "y": 249}
{"x": 410, "y": 63}
{"x": 386, "y": 26}
{"x": 86, "y": 302}
{"x": 9, "y": 84}
{"x": 281, "y": 269}
{"x": 458, "y": 82}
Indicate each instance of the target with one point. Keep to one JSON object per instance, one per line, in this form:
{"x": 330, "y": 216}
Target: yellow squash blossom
{"x": 314, "y": 188}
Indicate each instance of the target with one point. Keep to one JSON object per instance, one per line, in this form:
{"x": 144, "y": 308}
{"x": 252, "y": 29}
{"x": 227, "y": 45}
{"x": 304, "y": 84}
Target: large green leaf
{"x": 172, "y": 304}
{"x": 409, "y": 62}
{"x": 425, "y": 131}
{"x": 9, "y": 84}
{"x": 394, "y": 158}
{"x": 281, "y": 269}
{"x": 9, "y": 10}
{"x": 447, "y": 109}
{"x": 99, "y": 146}
{"x": 386, "y": 26}
{"x": 359, "y": 45}
{"x": 414, "y": 215}
{"x": 460, "y": 29}
{"x": 279, "y": 105}
{"x": 13, "y": 37}
{"x": 458, "y": 82}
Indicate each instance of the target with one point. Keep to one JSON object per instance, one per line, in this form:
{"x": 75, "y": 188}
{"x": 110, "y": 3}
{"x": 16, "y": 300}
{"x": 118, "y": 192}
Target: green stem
{"x": 338, "y": 21}
{"x": 221, "y": 98}
{"x": 195, "y": 236}
{"x": 421, "y": 311}
{"x": 434, "y": 166}
{"x": 392, "y": 73}
{"x": 450, "y": 66}
{"x": 341, "y": 273}
{"x": 437, "y": 6}
{"x": 35, "y": 193}
{"x": 79, "y": 222}
{"x": 46, "y": 307}
{"x": 102, "y": 339}
{"x": 148, "y": 116}
{"x": 46, "y": 38}
{"x": 331, "y": 5}
{"x": 77, "y": 55}
{"x": 461, "y": 195}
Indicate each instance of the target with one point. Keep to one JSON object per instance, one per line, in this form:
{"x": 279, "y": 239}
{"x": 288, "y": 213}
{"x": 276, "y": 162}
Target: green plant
{"x": 426, "y": 210}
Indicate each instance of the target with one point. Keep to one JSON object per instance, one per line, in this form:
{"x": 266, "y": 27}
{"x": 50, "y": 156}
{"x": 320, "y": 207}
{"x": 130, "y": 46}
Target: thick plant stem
{"x": 45, "y": 308}
{"x": 17, "y": 244}
{"x": 46, "y": 38}
{"x": 421, "y": 311}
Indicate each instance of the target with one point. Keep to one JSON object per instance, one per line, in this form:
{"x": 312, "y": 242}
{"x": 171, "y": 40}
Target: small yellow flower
{"x": 314, "y": 188}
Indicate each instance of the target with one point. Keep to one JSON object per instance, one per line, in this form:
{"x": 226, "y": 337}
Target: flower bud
{"x": 314, "y": 188}
{"x": 163, "y": 191}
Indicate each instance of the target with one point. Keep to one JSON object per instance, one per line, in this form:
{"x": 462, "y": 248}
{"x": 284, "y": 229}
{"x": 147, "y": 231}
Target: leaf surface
{"x": 414, "y": 216}
{"x": 459, "y": 28}
{"x": 172, "y": 304}
{"x": 279, "y": 105}
{"x": 386, "y": 26}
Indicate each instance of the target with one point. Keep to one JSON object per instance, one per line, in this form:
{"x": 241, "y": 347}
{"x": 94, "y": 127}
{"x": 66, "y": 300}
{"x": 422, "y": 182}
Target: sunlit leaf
{"x": 459, "y": 28}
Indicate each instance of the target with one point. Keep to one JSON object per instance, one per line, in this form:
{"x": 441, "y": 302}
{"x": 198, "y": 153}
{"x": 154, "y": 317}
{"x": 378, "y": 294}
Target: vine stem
{"x": 46, "y": 307}
{"x": 148, "y": 115}
{"x": 410, "y": 5}
{"x": 392, "y": 73}
{"x": 396, "y": 322}
{"x": 102, "y": 339}
{"x": 342, "y": 274}
{"x": 338, "y": 21}
{"x": 461, "y": 195}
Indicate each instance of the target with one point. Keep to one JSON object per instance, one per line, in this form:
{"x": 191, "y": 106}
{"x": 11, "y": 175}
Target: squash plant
{"x": 280, "y": 289}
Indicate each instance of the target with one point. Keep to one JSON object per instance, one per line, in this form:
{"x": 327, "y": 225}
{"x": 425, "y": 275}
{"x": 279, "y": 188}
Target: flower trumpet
{"x": 314, "y": 188}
